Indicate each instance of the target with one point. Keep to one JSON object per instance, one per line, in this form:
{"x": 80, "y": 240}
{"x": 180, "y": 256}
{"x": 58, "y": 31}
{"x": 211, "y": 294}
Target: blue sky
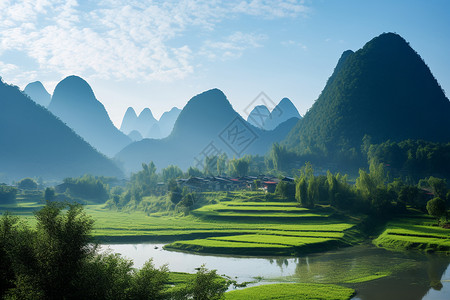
{"x": 159, "y": 54}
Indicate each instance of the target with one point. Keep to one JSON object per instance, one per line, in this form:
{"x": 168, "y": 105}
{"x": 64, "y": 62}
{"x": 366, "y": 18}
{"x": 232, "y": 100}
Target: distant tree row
{"x": 371, "y": 194}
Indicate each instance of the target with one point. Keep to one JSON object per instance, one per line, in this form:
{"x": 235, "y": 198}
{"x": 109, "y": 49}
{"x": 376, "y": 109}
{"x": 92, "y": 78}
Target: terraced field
{"x": 269, "y": 228}
{"x": 231, "y": 226}
{"x": 415, "y": 232}
{"x": 292, "y": 291}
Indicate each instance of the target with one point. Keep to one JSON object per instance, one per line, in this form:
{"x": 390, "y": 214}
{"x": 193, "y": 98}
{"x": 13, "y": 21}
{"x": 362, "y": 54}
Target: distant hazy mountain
{"x": 75, "y": 104}
{"x": 145, "y": 122}
{"x": 135, "y": 136}
{"x": 261, "y": 117}
{"x": 284, "y": 111}
{"x": 167, "y": 121}
{"x": 207, "y": 125}
{"x": 37, "y": 92}
{"x": 36, "y": 143}
{"x": 384, "y": 90}
{"x": 147, "y": 125}
{"x": 129, "y": 121}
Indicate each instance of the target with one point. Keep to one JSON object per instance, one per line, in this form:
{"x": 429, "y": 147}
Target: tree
{"x": 436, "y": 208}
{"x": 301, "y": 192}
{"x": 49, "y": 194}
{"x": 7, "y": 193}
{"x": 286, "y": 190}
{"x": 174, "y": 191}
{"x": 62, "y": 243}
{"x": 149, "y": 282}
{"x": 194, "y": 172}
{"x": 221, "y": 163}
{"x": 239, "y": 166}
{"x": 171, "y": 172}
{"x": 207, "y": 285}
{"x": 27, "y": 184}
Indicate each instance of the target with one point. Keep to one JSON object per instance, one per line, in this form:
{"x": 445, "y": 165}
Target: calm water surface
{"x": 413, "y": 275}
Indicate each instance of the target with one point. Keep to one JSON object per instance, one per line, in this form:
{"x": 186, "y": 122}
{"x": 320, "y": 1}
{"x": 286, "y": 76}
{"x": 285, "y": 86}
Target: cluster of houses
{"x": 223, "y": 183}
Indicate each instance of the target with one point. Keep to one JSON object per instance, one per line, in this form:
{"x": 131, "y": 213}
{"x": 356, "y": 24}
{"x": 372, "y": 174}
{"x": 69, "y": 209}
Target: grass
{"x": 238, "y": 223}
{"x": 414, "y": 232}
{"x": 375, "y": 276}
{"x": 292, "y": 291}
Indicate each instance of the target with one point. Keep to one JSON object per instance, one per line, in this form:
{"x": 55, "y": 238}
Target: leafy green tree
{"x": 27, "y": 184}
{"x": 207, "y": 285}
{"x": 62, "y": 243}
{"x": 438, "y": 186}
{"x": 301, "y": 192}
{"x": 49, "y": 194}
{"x": 171, "y": 172}
{"x": 436, "y": 208}
{"x": 239, "y": 166}
{"x": 222, "y": 163}
{"x": 194, "y": 172}
{"x": 286, "y": 190}
{"x": 7, "y": 194}
{"x": 111, "y": 274}
{"x": 175, "y": 192}
{"x": 149, "y": 282}
{"x": 210, "y": 165}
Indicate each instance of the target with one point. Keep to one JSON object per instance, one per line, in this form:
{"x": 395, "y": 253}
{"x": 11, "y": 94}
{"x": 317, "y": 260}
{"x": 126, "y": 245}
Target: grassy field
{"x": 240, "y": 223}
{"x": 416, "y": 231}
{"x": 292, "y": 291}
{"x": 268, "y": 228}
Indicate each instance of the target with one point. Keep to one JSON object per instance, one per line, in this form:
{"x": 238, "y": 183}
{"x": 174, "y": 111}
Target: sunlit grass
{"x": 292, "y": 291}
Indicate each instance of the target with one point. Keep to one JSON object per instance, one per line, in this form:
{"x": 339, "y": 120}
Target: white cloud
{"x": 122, "y": 39}
{"x": 231, "y": 47}
{"x": 291, "y": 43}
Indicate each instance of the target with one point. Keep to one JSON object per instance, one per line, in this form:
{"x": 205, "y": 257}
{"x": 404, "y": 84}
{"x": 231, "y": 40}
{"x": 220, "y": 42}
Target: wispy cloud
{"x": 231, "y": 47}
{"x": 122, "y": 39}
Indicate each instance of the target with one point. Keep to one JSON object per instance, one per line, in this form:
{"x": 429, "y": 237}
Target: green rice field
{"x": 415, "y": 232}
{"x": 302, "y": 291}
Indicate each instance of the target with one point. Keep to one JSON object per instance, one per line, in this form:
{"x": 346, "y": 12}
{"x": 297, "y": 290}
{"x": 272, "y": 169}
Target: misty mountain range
{"x": 384, "y": 91}
{"x": 146, "y": 126}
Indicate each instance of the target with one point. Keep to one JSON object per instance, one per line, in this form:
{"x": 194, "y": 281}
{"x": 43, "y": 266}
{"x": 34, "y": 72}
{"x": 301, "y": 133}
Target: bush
{"x": 436, "y": 208}
{"x": 7, "y": 194}
{"x": 27, "y": 184}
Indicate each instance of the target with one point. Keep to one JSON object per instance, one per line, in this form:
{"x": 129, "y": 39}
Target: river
{"x": 412, "y": 276}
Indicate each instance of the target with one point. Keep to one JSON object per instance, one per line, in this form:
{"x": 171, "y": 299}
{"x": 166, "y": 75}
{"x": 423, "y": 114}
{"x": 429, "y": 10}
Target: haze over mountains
{"x": 146, "y": 125}
{"x": 261, "y": 117}
{"x": 207, "y": 125}
{"x": 384, "y": 90}
{"x": 36, "y": 143}
{"x": 74, "y": 102}
{"x": 37, "y": 92}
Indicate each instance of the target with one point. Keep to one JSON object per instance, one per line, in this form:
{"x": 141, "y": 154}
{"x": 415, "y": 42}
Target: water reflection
{"x": 411, "y": 275}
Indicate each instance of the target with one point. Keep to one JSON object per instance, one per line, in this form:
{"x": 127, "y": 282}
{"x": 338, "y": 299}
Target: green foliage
{"x": 87, "y": 187}
{"x": 413, "y": 158}
{"x": 171, "y": 172}
{"x": 239, "y": 166}
{"x": 194, "y": 172}
{"x": 57, "y": 260}
{"x": 27, "y": 184}
{"x": 292, "y": 291}
{"x": 286, "y": 190}
{"x": 49, "y": 194}
{"x": 383, "y": 90}
{"x": 436, "y": 208}
{"x": 207, "y": 285}
{"x": 7, "y": 193}
{"x": 175, "y": 193}
{"x": 281, "y": 157}
{"x": 149, "y": 282}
